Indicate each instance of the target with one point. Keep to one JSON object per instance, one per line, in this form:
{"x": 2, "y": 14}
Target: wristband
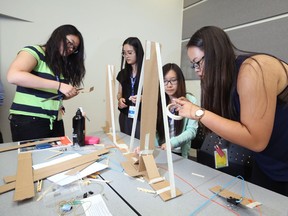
{"x": 59, "y": 86}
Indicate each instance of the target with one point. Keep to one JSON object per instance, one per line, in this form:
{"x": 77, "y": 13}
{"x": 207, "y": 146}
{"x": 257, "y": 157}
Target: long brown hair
{"x": 218, "y": 84}
{"x": 219, "y": 69}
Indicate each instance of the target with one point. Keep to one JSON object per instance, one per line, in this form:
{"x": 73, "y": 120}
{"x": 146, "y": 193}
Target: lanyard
{"x": 133, "y": 80}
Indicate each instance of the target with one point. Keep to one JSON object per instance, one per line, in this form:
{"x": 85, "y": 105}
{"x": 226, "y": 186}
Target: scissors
{"x": 60, "y": 96}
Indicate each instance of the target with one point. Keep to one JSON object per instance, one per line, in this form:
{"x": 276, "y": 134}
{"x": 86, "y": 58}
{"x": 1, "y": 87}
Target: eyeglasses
{"x": 71, "y": 46}
{"x": 197, "y": 64}
{"x": 172, "y": 82}
{"x": 128, "y": 53}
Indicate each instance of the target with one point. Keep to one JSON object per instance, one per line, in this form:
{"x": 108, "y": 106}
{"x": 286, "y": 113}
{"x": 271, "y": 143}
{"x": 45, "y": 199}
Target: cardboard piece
{"x": 150, "y": 173}
{"x": 8, "y": 179}
{"x": 45, "y": 172}
{"x": 78, "y": 168}
{"x": 24, "y": 187}
{"x": 7, "y": 187}
{"x": 119, "y": 143}
{"x": 149, "y": 99}
{"x": 29, "y": 144}
{"x": 151, "y": 168}
{"x": 58, "y": 145}
{"x": 131, "y": 166}
{"x": 131, "y": 170}
{"x": 228, "y": 194}
{"x": 166, "y": 195}
{"x": 66, "y": 165}
{"x": 85, "y": 90}
{"x": 110, "y": 90}
{"x": 149, "y": 80}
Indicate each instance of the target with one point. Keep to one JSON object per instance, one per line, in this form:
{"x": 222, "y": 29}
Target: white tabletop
{"x": 123, "y": 198}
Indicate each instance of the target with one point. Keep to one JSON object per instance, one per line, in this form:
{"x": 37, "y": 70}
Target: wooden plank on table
{"x": 24, "y": 187}
{"x": 166, "y": 194}
{"x": 229, "y": 194}
{"x": 45, "y": 172}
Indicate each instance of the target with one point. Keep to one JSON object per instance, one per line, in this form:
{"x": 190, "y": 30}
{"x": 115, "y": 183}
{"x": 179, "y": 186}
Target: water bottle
{"x": 78, "y": 129}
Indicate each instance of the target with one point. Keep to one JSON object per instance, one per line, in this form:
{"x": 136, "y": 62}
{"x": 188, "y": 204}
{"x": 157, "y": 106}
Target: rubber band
{"x": 59, "y": 86}
{"x": 171, "y": 115}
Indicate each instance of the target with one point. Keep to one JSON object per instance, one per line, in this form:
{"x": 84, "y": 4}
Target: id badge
{"x": 131, "y": 112}
{"x": 221, "y": 158}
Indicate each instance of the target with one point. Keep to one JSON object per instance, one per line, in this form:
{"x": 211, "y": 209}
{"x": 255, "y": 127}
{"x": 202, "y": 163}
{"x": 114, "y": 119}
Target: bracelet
{"x": 59, "y": 86}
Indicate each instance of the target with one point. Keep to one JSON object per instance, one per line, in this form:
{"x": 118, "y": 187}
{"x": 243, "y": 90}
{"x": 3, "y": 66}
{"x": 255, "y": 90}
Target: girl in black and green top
{"x": 55, "y": 69}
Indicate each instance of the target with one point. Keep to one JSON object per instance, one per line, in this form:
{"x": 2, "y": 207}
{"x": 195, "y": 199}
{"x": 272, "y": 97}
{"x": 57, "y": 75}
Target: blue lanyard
{"x": 133, "y": 80}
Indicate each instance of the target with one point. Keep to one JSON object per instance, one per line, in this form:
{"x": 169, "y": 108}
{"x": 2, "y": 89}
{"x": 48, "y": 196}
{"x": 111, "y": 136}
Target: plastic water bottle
{"x": 78, "y": 129}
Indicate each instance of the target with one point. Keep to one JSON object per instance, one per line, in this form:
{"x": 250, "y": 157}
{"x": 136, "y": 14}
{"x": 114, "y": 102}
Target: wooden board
{"x": 24, "y": 187}
{"x": 227, "y": 194}
{"x": 45, "y": 172}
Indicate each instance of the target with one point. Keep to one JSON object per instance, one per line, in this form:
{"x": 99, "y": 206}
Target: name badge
{"x": 131, "y": 112}
{"x": 221, "y": 158}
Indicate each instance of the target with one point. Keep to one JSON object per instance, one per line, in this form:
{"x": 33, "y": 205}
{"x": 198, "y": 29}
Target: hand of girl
{"x": 122, "y": 103}
{"x": 186, "y": 108}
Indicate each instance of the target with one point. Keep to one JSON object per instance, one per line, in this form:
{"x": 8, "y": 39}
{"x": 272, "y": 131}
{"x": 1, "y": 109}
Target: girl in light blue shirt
{"x": 181, "y": 131}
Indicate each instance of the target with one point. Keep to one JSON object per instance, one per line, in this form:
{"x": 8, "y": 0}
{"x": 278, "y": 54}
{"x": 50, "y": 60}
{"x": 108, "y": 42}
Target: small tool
{"x": 79, "y": 90}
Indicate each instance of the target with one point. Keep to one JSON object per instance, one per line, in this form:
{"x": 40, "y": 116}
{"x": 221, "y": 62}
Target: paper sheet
{"x": 62, "y": 179}
{"x": 95, "y": 206}
{"x": 55, "y": 161}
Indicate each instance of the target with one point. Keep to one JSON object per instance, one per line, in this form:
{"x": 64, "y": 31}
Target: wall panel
{"x": 260, "y": 25}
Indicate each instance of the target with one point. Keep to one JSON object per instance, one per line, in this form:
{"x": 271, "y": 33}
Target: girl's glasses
{"x": 128, "y": 53}
{"x": 196, "y": 64}
{"x": 71, "y": 46}
{"x": 172, "y": 82}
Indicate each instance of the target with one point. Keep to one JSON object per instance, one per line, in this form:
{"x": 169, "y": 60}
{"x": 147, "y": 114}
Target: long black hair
{"x": 219, "y": 69}
{"x": 218, "y": 84}
{"x": 71, "y": 66}
{"x": 136, "y": 44}
{"x": 180, "y": 92}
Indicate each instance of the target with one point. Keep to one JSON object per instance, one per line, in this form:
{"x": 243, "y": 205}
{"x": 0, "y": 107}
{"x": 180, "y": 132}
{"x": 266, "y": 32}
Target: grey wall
{"x": 254, "y": 25}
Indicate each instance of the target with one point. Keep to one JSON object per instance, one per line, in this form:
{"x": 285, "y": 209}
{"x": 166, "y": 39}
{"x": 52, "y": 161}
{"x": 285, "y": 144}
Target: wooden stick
{"x": 39, "y": 185}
